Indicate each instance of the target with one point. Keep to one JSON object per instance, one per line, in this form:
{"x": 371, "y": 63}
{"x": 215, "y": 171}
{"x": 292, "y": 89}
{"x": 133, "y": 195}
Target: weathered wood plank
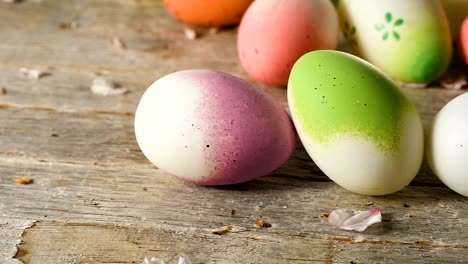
{"x": 381, "y": 252}
{"x": 11, "y": 231}
{"x": 149, "y": 198}
{"x": 85, "y": 243}
{"x": 156, "y": 46}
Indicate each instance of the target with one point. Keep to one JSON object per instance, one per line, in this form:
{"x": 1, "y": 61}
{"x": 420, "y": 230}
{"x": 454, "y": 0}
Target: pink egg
{"x": 463, "y": 40}
{"x": 212, "y": 128}
{"x": 273, "y": 34}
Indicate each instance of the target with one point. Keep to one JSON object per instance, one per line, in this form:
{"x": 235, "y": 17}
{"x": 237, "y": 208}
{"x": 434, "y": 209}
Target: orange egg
{"x": 211, "y": 13}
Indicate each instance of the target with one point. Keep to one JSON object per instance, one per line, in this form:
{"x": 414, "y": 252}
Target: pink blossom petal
{"x": 357, "y": 221}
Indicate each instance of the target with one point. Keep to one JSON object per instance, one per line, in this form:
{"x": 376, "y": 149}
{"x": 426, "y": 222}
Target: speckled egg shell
{"x": 212, "y": 128}
{"x": 447, "y": 144}
{"x": 210, "y": 13}
{"x": 273, "y": 34}
{"x": 409, "y": 40}
{"x": 355, "y": 123}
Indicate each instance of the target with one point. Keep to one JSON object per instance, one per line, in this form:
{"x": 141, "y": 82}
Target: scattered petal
{"x": 190, "y": 33}
{"x": 153, "y": 260}
{"x": 3, "y": 91}
{"x": 103, "y": 87}
{"x": 358, "y": 221}
{"x": 117, "y": 43}
{"x": 33, "y": 73}
{"x": 24, "y": 180}
{"x": 228, "y": 229}
{"x": 183, "y": 260}
{"x": 11, "y": 1}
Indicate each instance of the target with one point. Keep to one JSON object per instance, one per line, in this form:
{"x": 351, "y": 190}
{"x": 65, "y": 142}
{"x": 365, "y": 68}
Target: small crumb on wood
{"x": 101, "y": 86}
{"x": 145, "y": 189}
{"x": 117, "y": 43}
{"x": 3, "y": 91}
{"x": 68, "y": 25}
{"x": 369, "y": 203}
{"x": 359, "y": 239}
{"x": 228, "y": 229}
{"x": 233, "y": 212}
{"x": 54, "y": 135}
{"x": 33, "y": 73}
{"x": 24, "y": 180}
{"x": 190, "y": 33}
{"x": 214, "y": 30}
{"x": 261, "y": 223}
{"x": 406, "y": 205}
{"x": 325, "y": 215}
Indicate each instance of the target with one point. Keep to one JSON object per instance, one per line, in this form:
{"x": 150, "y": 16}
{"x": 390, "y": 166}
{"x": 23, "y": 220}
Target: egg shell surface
{"x": 408, "y": 40}
{"x": 447, "y": 145}
{"x": 463, "y": 41}
{"x": 355, "y": 123}
{"x": 212, "y": 128}
{"x": 273, "y": 34}
{"x": 209, "y": 13}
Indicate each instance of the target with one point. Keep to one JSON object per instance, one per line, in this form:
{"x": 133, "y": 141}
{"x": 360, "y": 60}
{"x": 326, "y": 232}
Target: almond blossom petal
{"x": 357, "y": 221}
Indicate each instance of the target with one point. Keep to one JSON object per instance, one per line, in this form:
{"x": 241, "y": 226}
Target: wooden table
{"x": 96, "y": 199}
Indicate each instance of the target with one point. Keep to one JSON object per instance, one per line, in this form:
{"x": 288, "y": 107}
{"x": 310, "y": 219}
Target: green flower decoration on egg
{"x": 389, "y": 27}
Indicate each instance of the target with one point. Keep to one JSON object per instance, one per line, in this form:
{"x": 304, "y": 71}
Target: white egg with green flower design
{"x": 409, "y": 40}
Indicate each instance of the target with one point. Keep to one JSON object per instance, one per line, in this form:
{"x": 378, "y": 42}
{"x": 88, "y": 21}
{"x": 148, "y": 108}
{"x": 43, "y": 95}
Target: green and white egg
{"x": 409, "y": 40}
{"x": 355, "y": 123}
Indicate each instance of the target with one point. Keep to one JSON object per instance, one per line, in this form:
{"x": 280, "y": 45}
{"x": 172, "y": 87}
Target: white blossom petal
{"x": 153, "y": 260}
{"x": 183, "y": 260}
{"x": 32, "y": 73}
{"x": 103, "y": 87}
{"x": 357, "y": 221}
{"x": 190, "y": 33}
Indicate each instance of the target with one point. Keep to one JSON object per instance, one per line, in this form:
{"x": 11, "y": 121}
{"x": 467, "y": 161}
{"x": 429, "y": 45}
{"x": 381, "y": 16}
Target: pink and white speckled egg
{"x": 274, "y": 34}
{"x": 212, "y": 128}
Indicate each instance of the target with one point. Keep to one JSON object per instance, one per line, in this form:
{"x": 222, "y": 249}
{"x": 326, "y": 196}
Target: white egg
{"x": 447, "y": 145}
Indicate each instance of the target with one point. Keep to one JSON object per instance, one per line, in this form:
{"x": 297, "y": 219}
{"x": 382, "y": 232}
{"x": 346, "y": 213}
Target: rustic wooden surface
{"x": 96, "y": 199}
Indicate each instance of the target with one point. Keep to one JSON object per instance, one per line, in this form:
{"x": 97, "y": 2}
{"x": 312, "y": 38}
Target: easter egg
{"x": 355, "y": 123}
{"x": 210, "y": 13}
{"x": 409, "y": 40}
{"x": 273, "y": 34}
{"x": 463, "y": 41}
{"x": 212, "y": 128}
{"x": 447, "y": 145}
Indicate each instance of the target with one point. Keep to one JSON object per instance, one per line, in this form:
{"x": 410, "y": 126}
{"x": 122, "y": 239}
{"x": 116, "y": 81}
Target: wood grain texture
{"x": 11, "y": 231}
{"x": 96, "y": 198}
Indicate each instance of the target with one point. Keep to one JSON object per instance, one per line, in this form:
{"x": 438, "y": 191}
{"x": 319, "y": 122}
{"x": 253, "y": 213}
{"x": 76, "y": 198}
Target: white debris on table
{"x": 32, "y": 73}
{"x": 155, "y": 260}
{"x": 190, "y": 33}
{"x": 355, "y": 220}
{"x": 117, "y": 43}
{"x": 104, "y": 87}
